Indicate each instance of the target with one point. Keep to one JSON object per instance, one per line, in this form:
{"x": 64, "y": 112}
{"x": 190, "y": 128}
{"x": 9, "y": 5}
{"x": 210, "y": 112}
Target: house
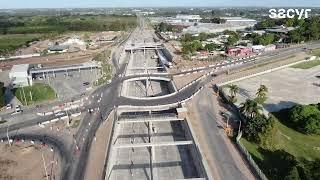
{"x": 58, "y": 49}
{"x": 258, "y": 48}
{"x": 239, "y": 51}
{"x": 269, "y": 47}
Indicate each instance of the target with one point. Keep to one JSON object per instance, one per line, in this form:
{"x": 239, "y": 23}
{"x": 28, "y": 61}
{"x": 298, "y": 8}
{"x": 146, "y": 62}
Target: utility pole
{"x": 8, "y": 135}
{"x": 24, "y": 95}
{"x": 31, "y": 96}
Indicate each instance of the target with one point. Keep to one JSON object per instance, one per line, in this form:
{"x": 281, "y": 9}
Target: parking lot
{"x": 287, "y": 87}
{"x": 73, "y": 83}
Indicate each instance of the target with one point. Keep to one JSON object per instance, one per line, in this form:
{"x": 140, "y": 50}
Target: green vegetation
{"x": 106, "y": 67}
{"x": 261, "y": 94}
{"x": 307, "y": 29}
{"x": 192, "y": 44}
{"x": 233, "y": 90}
{"x": 75, "y": 123}
{"x": 2, "y": 97}
{"x": 216, "y": 20}
{"x": 9, "y": 43}
{"x": 307, "y": 64}
{"x": 165, "y": 27}
{"x": 294, "y": 150}
{"x": 264, "y": 39}
{"x": 303, "y": 118}
{"x": 316, "y": 52}
{"x": 18, "y": 31}
{"x": 34, "y": 94}
{"x": 232, "y": 39}
{"x": 279, "y": 150}
{"x": 63, "y": 23}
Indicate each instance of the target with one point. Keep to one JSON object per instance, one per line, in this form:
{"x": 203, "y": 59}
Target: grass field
{"x": 14, "y": 41}
{"x": 316, "y": 52}
{"x": 39, "y": 92}
{"x": 307, "y": 65}
{"x": 303, "y": 147}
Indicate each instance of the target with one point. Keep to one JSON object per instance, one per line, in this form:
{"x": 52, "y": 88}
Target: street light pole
{"x": 8, "y": 135}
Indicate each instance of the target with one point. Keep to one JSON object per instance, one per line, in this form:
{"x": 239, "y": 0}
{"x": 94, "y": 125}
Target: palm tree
{"x": 233, "y": 89}
{"x": 250, "y": 108}
{"x": 262, "y": 93}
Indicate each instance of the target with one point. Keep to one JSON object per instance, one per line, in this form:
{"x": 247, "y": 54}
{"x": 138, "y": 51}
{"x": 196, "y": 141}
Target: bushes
{"x": 305, "y": 118}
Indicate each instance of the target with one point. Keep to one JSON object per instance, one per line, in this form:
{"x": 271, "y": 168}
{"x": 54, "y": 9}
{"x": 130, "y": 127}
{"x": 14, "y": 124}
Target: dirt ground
{"x": 179, "y": 63}
{"x": 24, "y": 161}
{"x": 64, "y": 58}
{"x": 97, "y": 155}
{"x": 181, "y": 81}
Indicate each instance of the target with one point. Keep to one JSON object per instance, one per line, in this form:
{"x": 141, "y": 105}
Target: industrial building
{"x": 23, "y": 74}
{"x": 188, "y": 18}
{"x": 19, "y": 75}
{"x": 239, "y": 51}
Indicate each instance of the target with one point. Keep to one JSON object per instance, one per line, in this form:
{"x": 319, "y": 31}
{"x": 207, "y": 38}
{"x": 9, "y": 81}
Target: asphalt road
{"x": 208, "y": 115}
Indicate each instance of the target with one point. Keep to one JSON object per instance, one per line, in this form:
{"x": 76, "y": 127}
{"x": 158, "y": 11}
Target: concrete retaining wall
{"x": 199, "y": 162}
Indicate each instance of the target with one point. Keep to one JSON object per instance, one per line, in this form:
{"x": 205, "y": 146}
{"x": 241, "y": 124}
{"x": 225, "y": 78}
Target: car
{"x": 59, "y": 114}
{"x": 18, "y": 107}
{"x": 86, "y": 83}
{"x": 8, "y": 106}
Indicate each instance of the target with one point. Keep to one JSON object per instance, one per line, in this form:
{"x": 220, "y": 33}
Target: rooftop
{"x": 19, "y": 68}
{"x": 58, "y": 47}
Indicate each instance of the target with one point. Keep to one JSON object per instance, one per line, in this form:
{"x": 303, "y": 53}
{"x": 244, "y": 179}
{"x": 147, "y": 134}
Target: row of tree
{"x": 48, "y": 24}
{"x": 165, "y": 27}
{"x": 306, "y": 29}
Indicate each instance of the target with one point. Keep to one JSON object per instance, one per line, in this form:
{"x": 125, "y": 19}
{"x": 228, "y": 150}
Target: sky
{"x": 9, "y": 4}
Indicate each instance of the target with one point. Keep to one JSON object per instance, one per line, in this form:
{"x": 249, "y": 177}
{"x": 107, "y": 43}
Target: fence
{"x": 251, "y": 161}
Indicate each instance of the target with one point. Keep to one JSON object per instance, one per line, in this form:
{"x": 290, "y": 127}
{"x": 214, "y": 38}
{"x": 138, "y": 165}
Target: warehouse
{"x": 19, "y": 75}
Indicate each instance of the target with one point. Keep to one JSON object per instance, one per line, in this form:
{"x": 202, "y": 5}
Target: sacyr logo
{"x": 289, "y": 13}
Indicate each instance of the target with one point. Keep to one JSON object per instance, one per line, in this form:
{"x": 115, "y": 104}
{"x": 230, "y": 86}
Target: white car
{"x": 59, "y": 114}
{"x": 18, "y": 109}
{"x": 8, "y": 106}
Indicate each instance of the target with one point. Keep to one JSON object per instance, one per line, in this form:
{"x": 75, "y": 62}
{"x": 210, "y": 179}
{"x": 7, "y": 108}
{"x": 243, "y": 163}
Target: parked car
{"x": 8, "y": 106}
{"x": 18, "y": 109}
{"x": 86, "y": 83}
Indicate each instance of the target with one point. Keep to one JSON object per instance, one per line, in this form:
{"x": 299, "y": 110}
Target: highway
{"x": 74, "y": 164}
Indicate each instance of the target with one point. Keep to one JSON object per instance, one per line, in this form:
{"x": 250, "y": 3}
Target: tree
{"x": 305, "y": 118}
{"x": 261, "y": 130}
{"x": 233, "y": 90}
{"x": 261, "y": 94}
{"x": 250, "y": 108}
{"x": 211, "y": 47}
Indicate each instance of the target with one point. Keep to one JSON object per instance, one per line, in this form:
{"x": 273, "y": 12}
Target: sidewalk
{"x": 98, "y": 150}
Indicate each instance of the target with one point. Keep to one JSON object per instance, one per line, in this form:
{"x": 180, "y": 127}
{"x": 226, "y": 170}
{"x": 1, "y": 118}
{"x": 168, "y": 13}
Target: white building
{"x": 188, "y": 18}
{"x": 19, "y": 75}
{"x": 239, "y": 20}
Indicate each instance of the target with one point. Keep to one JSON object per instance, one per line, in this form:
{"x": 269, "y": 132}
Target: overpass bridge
{"x": 143, "y": 46}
